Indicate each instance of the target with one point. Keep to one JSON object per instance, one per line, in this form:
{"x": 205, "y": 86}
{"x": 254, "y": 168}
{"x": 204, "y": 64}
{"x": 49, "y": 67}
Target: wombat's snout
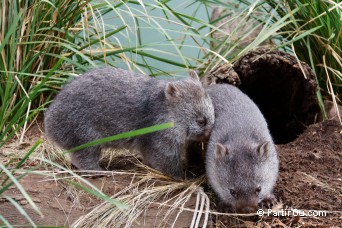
{"x": 206, "y": 135}
{"x": 241, "y": 206}
{"x": 246, "y": 207}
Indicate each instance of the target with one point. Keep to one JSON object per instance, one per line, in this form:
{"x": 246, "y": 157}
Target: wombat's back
{"x": 237, "y": 116}
{"x": 89, "y": 106}
{"x": 108, "y": 101}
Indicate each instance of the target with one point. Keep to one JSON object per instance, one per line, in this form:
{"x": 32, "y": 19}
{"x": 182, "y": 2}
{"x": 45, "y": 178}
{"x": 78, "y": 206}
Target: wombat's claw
{"x": 268, "y": 202}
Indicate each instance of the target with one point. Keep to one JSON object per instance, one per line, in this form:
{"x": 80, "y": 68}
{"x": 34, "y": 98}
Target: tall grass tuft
{"x": 36, "y": 41}
{"x": 322, "y": 49}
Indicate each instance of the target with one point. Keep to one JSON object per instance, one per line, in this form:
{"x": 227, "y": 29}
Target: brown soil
{"x": 310, "y": 179}
{"x": 310, "y": 173}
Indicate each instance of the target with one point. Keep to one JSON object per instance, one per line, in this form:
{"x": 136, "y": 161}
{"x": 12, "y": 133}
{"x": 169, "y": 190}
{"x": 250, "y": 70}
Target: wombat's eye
{"x": 202, "y": 121}
{"x": 257, "y": 190}
{"x": 232, "y": 192}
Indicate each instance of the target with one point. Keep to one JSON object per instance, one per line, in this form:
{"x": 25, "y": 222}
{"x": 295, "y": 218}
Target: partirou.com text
{"x": 291, "y": 212}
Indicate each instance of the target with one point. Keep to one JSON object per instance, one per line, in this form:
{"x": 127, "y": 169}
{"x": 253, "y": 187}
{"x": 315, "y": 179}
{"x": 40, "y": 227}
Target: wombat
{"x": 241, "y": 159}
{"x": 109, "y": 101}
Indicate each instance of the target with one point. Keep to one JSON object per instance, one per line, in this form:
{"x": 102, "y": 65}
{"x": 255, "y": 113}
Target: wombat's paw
{"x": 268, "y": 202}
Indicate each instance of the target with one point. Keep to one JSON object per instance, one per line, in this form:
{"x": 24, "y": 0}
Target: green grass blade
{"x": 5, "y": 187}
{"x": 124, "y": 135}
{"x": 28, "y": 154}
{"x": 300, "y": 37}
{"x": 6, "y": 223}
{"x": 21, "y": 189}
{"x": 99, "y": 195}
{"x": 91, "y": 189}
{"x": 10, "y": 31}
{"x": 21, "y": 210}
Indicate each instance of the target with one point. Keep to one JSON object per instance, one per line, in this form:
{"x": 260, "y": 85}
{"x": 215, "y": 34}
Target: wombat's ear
{"x": 221, "y": 151}
{"x": 171, "y": 91}
{"x": 264, "y": 149}
{"x": 193, "y": 75}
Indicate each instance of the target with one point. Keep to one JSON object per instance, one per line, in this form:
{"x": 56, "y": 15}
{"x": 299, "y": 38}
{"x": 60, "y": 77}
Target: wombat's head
{"x": 192, "y": 107}
{"x": 244, "y": 177}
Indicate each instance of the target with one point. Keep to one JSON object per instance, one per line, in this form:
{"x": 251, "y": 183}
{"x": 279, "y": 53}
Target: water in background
{"x": 165, "y": 39}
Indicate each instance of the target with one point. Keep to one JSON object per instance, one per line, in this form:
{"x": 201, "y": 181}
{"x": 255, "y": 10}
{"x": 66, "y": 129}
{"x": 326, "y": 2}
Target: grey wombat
{"x": 241, "y": 159}
{"x": 108, "y": 101}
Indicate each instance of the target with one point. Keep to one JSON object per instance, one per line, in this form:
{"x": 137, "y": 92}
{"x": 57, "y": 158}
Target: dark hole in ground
{"x": 274, "y": 80}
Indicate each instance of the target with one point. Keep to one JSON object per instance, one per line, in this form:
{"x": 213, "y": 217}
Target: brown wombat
{"x": 109, "y": 101}
{"x": 241, "y": 159}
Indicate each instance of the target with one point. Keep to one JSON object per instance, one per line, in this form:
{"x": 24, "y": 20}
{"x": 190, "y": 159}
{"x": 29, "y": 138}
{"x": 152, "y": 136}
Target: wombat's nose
{"x": 207, "y": 134}
{"x": 247, "y": 210}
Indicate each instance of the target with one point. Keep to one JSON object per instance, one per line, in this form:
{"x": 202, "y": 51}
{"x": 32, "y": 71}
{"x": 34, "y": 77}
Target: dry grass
{"x": 53, "y": 153}
{"x": 147, "y": 190}
{"x": 140, "y": 197}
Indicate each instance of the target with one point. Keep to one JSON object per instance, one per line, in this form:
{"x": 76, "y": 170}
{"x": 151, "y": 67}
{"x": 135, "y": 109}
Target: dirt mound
{"x": 310, "y": 172}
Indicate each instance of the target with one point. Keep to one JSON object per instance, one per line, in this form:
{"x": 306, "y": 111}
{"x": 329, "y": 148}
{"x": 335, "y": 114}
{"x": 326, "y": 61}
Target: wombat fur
{"x": 109, "y": 101}
{"x": 241, "y": 159}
